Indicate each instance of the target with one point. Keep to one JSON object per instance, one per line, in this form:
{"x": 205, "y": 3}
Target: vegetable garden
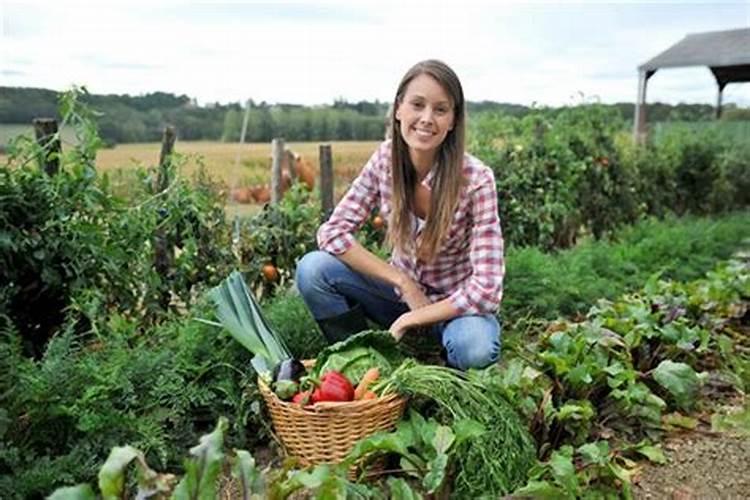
{"x": 626, "y": 311}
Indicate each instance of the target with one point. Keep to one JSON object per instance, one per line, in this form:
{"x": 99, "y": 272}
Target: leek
{"x": 241, "y": 315}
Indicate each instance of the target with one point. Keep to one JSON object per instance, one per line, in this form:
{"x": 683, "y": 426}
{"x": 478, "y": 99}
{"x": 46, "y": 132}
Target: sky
{"x": 543, "y": 53}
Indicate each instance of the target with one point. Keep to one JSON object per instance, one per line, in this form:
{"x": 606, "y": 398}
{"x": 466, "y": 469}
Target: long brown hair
{"x": 448, "y": 179}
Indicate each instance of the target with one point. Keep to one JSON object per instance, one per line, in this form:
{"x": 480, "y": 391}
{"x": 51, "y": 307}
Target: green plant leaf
{"x": 679, "y": 420}
{"x": 594, "y": 453}
{"x": 467, "y": 429}
{"x": 443, "y": 439}
{"x": 542, "y": 490}
{"x": 436, "y": 471}
{"x": 250, "y": 478}
{"x": 738, "y": 422}
{"x": 400, "y": 489}
{"x": 653, "y": 452}
{"x": 112, "y": 473}
{"x": 240, "y": 314}
{"x": 563, "y": 470}
{"x": 680, "y": 380}
{"x": 79, "y": 492}
{"x": 201, "y": 471}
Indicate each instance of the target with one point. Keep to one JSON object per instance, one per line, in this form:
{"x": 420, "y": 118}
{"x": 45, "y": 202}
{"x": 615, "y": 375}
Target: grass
{"x": 567, "y": 283}
{"x": 737, "y": 132}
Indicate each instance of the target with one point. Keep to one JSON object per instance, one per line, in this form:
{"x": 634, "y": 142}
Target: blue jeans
{"x": 330, "y": 288}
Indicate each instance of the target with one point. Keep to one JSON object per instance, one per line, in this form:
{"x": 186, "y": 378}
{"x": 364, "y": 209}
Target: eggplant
{"x": 289, "y": 369}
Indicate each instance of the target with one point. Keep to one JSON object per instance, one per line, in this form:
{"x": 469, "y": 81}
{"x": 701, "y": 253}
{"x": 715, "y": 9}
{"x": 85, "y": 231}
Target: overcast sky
{"x": 551, "y": 53}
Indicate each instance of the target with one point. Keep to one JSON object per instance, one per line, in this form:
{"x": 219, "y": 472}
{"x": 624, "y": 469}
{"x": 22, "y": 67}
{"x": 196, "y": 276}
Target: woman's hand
{"x": 412, "y": 294}
{"x": 401, "y": 325}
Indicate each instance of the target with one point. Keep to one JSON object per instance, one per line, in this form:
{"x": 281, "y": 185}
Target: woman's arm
{"x": 363, "y": 261}
{"x": 433, "y": 313}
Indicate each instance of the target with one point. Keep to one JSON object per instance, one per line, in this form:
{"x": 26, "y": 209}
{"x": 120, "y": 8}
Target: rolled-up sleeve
{"x": 336, "y": 235}
{"x": 482, "y": 292}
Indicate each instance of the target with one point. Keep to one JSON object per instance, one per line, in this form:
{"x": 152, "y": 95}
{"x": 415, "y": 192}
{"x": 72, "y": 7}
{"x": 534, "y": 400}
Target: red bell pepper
{"x": 334, "y": 387}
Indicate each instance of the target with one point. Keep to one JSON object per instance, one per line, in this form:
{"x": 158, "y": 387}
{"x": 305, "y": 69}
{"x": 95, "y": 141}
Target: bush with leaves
{"x": 67, "y": 239}
{"x": 154, "y": 388}
{"x": 574, "y": 171}
{"x": 630, "y": 359}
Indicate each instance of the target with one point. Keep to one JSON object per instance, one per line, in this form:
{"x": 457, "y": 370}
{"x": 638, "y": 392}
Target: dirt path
{"x": 700, "y": 464}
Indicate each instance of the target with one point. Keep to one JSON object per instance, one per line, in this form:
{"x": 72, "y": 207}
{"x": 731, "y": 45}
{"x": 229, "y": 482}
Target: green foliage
{"x": 202, "y": 469}
{"x": 287, "y": 314}
{"x": 589, "y": 471}
{"x": 66, "y": 239}
{"x": 200, "y": 481}
{"x": 618, "y": 370}
{"x": 499, "y": 461}
{"x": 155, "y": 390}
{"x": 562, "y": 174}
{"x": 358, "y": 353}
{"x": 566, "y": 283}
{"x": 280, "y": 235}
{"x": 680, "y": 380}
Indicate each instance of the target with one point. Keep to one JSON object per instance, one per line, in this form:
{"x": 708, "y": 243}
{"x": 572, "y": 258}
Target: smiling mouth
{"x": 423, "y": 133}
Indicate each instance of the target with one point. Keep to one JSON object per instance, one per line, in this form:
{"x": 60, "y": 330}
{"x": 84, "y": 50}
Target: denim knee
{"x": 311, "y": 270}
{"x": 472, "y": 341}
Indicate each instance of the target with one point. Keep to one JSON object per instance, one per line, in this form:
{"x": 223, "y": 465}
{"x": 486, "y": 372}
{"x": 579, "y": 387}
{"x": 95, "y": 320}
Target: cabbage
{"x": 357, "y": 354}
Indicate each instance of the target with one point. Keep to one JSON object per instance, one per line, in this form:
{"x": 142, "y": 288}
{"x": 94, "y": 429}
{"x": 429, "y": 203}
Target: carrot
{"x": 368, "y": 378}
{"x": 370, "y": 395}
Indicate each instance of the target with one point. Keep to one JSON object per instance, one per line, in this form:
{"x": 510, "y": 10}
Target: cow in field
{"x": 261, "y": 193}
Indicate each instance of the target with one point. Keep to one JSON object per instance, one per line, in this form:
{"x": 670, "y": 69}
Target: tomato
{"x": 270, "y": 273}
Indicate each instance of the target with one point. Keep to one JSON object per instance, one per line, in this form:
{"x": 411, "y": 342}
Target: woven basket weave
{"x": 326, "y": 432}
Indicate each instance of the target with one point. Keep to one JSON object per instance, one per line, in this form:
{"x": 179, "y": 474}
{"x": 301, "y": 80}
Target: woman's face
{"x": 425, "y": 115}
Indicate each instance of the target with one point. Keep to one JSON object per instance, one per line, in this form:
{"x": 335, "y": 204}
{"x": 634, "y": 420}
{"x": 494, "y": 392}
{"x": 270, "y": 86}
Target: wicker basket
{"x": 326, "y": 432}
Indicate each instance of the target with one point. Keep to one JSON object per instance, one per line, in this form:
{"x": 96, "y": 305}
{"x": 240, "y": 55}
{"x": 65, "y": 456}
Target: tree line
{"x": 125, "y": 118}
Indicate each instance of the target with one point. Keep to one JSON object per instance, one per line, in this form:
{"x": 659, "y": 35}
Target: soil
{"x": 700, "y": 464}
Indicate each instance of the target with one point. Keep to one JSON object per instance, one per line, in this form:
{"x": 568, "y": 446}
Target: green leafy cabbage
{"x": 357, "y": 354}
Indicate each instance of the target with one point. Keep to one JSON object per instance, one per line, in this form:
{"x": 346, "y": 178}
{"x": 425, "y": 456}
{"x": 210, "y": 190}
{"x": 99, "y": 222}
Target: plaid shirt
{"x": 469, "y": 267}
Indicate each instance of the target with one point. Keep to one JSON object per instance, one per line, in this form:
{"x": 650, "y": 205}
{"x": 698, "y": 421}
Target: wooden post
{"x": 167, "y": 146}
{"x": 277, "y": 150}
{"x": 292, "y": 165}
{"x": 719, "y": 99}
{"x": 639, "y": 119}
{"x": 326, "y": 181}
{"x": 163, "y": 250}
{"x": 45, "y": 130}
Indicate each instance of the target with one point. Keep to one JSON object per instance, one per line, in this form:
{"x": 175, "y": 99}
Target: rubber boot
{"x": 344, "y": 325}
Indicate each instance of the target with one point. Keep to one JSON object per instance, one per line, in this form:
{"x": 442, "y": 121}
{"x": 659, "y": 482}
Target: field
{"x": 231, "y": 163}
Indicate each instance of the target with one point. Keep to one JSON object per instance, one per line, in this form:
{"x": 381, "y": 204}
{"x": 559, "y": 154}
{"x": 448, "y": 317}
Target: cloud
{"x": 312, "y": 54}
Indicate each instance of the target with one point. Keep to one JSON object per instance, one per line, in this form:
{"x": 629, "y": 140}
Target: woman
{"x": 446, "y": 269}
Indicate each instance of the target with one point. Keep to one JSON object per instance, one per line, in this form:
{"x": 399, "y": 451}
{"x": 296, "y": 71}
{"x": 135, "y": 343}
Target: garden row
{"x": 597, "y": 395}
{"x": 158, "y": 387}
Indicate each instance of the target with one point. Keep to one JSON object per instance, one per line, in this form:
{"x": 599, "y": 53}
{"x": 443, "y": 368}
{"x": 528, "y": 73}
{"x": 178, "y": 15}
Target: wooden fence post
{"x": 167, "y": 146}
{"x": 163, "y": 249}
{"x": 277, "y": 151}
{"x": 326, "y": 181}
{"x": 291, "y": 161}
{"x": 45, "y": 130}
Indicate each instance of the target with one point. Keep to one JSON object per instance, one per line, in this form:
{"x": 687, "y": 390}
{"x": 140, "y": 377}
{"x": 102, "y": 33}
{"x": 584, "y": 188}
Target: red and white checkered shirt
{"x": 469, "y": 267}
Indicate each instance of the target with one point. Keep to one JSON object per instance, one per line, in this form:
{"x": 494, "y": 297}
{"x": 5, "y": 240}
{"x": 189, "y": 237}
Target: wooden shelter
{"x": 725, "y": 53}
